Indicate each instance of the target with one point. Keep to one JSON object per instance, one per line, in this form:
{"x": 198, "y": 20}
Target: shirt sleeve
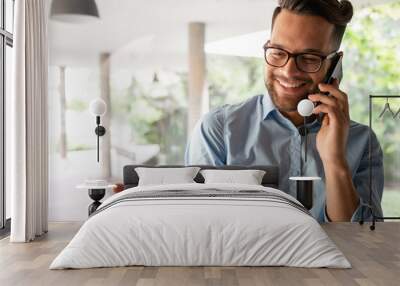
{"x": 206, "y": 145}
{"x": 361, "y": 182}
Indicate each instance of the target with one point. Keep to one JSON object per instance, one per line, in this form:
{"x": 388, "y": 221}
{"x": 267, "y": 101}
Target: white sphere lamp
{"x": 98, "y": 107}
{"x": 305, "y": 107}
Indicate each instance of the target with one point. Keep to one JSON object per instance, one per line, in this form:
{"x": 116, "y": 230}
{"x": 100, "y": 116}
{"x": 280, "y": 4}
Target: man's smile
{"x": 291, "y": 86}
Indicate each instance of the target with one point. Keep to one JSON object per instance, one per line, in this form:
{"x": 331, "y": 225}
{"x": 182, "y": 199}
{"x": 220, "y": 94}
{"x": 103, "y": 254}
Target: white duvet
{"x": 200, "y": 231}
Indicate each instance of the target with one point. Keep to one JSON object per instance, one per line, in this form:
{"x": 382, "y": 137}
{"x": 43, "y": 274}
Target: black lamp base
{"x": 96, "y": 195}
{"x": 305, "y": 193}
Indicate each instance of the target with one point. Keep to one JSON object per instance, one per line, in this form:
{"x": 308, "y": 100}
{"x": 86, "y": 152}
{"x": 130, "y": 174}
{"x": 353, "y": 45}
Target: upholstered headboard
{"x": 270, "y": 179}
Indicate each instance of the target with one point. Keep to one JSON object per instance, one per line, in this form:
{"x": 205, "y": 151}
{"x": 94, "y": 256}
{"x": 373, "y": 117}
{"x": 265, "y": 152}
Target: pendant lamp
{"x": 74, "y": 11}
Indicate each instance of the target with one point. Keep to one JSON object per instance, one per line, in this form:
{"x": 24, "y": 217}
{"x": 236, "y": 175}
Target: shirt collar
{"x": 268, "y": 106}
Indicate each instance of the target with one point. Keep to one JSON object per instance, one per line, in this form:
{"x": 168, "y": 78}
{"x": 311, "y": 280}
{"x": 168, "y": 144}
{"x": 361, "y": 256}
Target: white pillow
{"x": 248, "y": 177}
{"x": 162, "y": 176}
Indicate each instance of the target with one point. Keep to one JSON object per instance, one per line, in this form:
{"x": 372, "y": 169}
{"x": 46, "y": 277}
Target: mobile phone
{"x": 334, "y": 72}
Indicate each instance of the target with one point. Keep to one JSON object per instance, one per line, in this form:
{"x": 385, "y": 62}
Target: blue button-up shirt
{"x": 256, "y": 133}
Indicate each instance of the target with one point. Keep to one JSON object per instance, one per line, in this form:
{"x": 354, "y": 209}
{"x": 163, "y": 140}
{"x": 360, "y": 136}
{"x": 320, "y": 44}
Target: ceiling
{"x": 155, "y": 32}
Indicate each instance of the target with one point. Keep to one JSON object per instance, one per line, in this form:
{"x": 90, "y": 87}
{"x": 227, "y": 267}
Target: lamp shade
{"x": 74, "y": 11}
{"x": 98, "y": 107}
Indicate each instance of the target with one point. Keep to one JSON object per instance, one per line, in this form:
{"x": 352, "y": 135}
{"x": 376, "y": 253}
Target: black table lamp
{"x": 98, "y": 108}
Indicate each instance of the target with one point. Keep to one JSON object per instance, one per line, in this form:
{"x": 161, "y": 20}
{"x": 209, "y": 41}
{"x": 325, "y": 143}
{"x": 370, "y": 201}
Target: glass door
{"x": 6, "y": 44}
{"x": 2, "y": 100}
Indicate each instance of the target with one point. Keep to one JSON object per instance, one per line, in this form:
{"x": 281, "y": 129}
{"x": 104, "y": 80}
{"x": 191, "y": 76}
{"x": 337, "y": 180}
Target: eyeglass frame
{"x": 295, "y": 55}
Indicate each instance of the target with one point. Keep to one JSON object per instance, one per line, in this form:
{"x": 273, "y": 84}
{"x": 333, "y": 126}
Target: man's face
{"x": 296, "y": 33}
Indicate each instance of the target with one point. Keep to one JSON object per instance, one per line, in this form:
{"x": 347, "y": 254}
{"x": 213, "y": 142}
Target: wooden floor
{"x": 374, "y": 255}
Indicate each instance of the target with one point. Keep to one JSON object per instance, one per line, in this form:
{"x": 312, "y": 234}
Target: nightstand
{"x": 96, "y": 193}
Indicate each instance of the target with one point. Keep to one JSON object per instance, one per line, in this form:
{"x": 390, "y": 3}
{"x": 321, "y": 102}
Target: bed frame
{"x": 270, "y": 179}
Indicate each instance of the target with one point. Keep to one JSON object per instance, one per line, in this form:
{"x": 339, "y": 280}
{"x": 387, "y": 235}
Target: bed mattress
{"x": 201, "y": 225}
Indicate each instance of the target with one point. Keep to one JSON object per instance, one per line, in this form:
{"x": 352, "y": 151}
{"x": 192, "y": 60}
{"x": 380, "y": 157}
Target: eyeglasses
{"x": 306, "y": 62}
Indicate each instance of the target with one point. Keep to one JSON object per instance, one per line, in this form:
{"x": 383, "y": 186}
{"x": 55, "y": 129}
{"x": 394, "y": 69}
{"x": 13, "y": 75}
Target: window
{"x": 6, "y": 43}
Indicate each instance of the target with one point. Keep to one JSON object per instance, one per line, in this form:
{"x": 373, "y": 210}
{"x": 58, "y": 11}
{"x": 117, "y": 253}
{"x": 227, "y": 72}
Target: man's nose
{"x": 290, "y": 69}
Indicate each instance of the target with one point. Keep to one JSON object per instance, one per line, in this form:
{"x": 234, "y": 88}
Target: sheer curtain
{"x": 29, "y": 147}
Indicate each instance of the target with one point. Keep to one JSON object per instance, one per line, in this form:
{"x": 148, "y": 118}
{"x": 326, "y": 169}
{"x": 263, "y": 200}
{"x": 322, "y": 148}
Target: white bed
{"x": 251, "y": 225}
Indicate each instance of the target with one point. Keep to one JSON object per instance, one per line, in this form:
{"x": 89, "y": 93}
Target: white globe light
{"x": 305, "y": 107}
{"x": 98, "y": 107}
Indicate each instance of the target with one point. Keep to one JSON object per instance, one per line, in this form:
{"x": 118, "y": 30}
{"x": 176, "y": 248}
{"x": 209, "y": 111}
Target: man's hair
{"x": 336, "y": 12}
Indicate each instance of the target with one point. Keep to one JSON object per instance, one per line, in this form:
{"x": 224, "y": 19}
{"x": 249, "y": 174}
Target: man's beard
{"x": 285, "y": 106}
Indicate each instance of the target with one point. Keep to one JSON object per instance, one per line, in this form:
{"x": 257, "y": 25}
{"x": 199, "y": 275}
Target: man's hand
{"x": 332, "y": 137}
{"x": 341, "y": 196}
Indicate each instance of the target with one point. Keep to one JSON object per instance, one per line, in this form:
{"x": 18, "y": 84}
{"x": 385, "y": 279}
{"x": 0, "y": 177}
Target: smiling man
{"x": 264, "y": 130}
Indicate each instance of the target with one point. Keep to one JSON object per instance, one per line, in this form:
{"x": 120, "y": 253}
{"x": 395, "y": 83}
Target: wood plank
{"x": 374, "y": 255}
